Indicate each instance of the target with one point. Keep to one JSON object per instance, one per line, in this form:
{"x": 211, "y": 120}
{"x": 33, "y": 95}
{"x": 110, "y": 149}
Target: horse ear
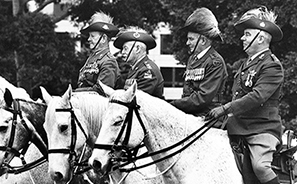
{"x": 130, "y": 92}
{"x": 107, "y": 90}
{"x": 45, "y": 95}
{"x": 67, "y": 95}
{"x": 8, "y": 97}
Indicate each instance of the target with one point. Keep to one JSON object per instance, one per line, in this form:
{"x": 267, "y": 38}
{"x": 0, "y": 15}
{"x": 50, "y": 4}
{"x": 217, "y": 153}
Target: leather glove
{"x": 215, "y": 113}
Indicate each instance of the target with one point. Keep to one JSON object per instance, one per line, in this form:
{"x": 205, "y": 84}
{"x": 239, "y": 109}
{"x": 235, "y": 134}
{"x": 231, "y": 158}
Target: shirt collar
{"x": 202, "y": 53}
{"x": 258, "y": 53}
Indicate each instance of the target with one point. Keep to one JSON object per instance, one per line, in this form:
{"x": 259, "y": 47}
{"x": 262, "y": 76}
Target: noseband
{"x": 16, "y": 111}
{"x": 71, "y": 149}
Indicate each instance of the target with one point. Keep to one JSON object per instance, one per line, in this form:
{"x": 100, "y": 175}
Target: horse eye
{"x": 118, "y": 122}
{"x": 3, "y": 129}
{"x": 63, "y": 128}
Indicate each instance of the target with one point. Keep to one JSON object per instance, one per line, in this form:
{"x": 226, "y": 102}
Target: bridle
{"x": 73, "y": 158}
{"x": 34, "y": 137}
{"x": 130, "y": 154}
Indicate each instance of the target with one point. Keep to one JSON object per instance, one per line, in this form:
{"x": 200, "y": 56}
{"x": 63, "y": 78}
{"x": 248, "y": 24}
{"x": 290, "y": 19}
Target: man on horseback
{"x": 254, "y": 124}
{"x": 134, "y": 44}
{"x": 206, "y": 71}
{"x": 101, "y": 64}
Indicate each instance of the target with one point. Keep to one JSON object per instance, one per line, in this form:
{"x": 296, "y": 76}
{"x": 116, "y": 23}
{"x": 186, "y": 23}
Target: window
{"x": 166, "y": 43}
{"x": 173, "y": 77}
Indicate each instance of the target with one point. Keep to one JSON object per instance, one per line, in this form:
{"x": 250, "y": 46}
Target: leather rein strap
{"x": 133, "y": 106}
{"x": 16, "y": 111}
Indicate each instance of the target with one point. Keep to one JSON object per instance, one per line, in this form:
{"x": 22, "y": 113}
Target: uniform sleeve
{"x": 108, "y": 73}
{"x": 270, "y": 79}
{"x": 208, "y": 87}
{"x": 147, "y": 80}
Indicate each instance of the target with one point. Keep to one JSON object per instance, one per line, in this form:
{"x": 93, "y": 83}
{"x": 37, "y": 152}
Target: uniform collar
{"x": 138, "y": 61}
{"x": 101, "y": 52}
{"x": 258, "y": 56}
{"x": 258, "y": 53}
{"x": 202, "y": 53}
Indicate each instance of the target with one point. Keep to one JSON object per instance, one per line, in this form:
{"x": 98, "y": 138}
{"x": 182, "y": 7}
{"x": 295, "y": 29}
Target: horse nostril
{"x": 96, "y": 165}
{"x": 57, "y": 176}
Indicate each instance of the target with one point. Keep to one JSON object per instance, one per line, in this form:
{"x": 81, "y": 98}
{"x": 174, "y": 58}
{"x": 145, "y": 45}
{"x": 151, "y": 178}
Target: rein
{"x": 128, "y": 160}
{"x": 34, "y": 136}
{"x": 71, "y": 149}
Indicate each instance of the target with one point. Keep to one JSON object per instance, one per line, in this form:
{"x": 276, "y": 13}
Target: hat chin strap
{"x": 126, "y": 60}
{"x": 250, "y": 44}
{"x": 196, "y": 45}
{"x": 97, "y": 42}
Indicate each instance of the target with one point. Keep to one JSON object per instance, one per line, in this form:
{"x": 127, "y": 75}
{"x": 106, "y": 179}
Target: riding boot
{"x": 273, "y": 181}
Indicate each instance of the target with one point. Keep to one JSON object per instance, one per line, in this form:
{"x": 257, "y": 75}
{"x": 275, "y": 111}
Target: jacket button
{"x": 242, "y": 73}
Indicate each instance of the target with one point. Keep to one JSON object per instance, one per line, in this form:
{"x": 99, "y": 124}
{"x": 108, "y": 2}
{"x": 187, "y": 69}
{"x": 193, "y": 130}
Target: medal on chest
{"x": 194, "y": 74}
{"x": 249, "y": 79}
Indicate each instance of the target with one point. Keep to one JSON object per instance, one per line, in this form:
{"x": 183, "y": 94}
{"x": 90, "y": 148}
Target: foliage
{"x": 33, "y": 54}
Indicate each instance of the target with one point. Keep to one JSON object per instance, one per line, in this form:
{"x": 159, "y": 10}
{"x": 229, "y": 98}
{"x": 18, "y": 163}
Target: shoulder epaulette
{"x": 274, "y": 58}
{"x": 147, "y": 65}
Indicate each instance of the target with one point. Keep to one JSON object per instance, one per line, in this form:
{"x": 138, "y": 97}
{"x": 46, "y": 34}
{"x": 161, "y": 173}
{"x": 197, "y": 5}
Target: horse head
{"x": 17, "y": 128}
{"x": 116, "y": 135}
{"x": 71, "y": 121}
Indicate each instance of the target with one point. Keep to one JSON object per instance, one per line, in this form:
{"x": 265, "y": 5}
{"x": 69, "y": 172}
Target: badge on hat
{"x": 136, "y": 35}
{"x": 105, "y": 27}
{"x": 262, "y": 24}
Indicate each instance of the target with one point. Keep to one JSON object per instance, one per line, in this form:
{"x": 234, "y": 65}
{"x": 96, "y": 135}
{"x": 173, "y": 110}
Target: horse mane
{"x": 161, "y": 108}
{"x": 91, "y": 104}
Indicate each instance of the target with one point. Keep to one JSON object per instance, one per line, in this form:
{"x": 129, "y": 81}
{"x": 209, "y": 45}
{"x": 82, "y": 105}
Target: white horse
{"x": 208, "y": 160}
{"x": 88, "y": 108}
{"x": 31, "y": 111}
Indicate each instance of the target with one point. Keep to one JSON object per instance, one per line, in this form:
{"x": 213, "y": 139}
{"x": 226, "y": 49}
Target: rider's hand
{"x": 217, "y": 112}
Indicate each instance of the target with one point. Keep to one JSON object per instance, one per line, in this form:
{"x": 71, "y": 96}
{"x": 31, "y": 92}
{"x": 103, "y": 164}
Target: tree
{"x": 34, "y": 54}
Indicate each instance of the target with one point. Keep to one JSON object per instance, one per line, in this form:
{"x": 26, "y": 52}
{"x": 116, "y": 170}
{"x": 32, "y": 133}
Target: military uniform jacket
{"x": 256, "y": 93}
{"x": 204, "y": 83}
{"x": 100, "y": 65}
{"x": 148, "y": 77}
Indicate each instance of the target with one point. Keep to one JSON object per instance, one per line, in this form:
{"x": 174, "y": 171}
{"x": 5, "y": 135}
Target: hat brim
{"x": 263, "y": 25}
{"x": 103, "y": 27}
{"x": 135, "y": 36}
{"x": 190, "y": 28}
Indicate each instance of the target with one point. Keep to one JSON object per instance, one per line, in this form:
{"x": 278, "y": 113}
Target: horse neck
{"x": 35, "y": 113}
{"x": 166, "y": 125}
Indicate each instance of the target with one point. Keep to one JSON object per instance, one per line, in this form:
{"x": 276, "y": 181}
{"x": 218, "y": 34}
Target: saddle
{"x": 284, "y": 163}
